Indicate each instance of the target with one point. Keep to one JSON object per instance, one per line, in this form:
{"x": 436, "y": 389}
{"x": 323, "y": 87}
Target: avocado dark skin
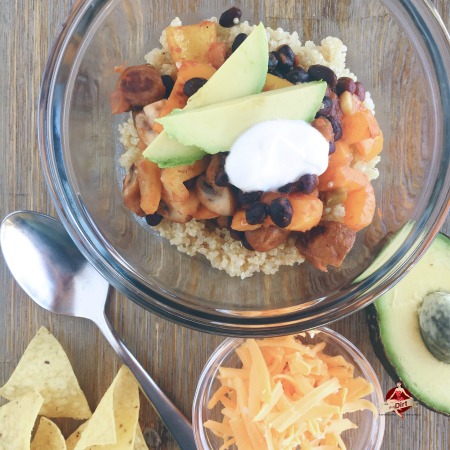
{"x": 375, "y": 338}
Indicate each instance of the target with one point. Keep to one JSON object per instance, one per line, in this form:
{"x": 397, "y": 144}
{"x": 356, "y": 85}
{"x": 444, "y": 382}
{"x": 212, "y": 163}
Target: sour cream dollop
{"x": 276, "y": 152}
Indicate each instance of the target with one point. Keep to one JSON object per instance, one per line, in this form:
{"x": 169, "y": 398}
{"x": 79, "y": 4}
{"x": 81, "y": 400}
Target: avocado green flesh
{"x": 243, "y": 73}
{"x": 215, "y": 128}
{"x": 389, "y": 250}
{"x": 167, "y": 152}
{"x": 427, "y": 378}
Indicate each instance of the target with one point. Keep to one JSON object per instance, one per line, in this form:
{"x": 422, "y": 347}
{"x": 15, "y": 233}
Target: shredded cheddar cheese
{"x": 287, "y": 395}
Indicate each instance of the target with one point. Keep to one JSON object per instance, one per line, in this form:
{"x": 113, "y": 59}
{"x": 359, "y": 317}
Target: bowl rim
{"x": 225, "y": 348}
{"x": 73, "y": 214}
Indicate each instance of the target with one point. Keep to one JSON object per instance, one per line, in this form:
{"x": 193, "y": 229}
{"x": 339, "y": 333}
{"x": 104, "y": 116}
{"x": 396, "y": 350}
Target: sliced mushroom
{"x": 264, "y": 239}
{"x": 131, "y": 192}
{"x": 220, "y": 200}
{"x": 180, "y": 212}
{"x": 326, "y": 244}
{"x": 143, "y": 127}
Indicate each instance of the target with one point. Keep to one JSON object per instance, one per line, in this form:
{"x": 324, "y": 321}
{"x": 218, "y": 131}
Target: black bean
{"x": 277, "y": 74}
{"x": 169, "y": 83}
{"x": 230, "y": 17}
{"x": 236, "y": 235}
{"x": 256, "y": 213}
{"x": 360, "y": 91}
{"x": 280, "y": 211}
{"x": 345, "y": 84}
{"x": 238, "y": 40}
{"x": 307, "y": 183}
{"x": 297, "y": 75}
{"x": 331, "y": 148}
{"x": 221, "y": 178}
{"x": 193, "y": 85}
{"x": 190, "y": 183}
{"x": 153, "y": 219}
{"x": 245, "y": 243}
{"x": 245, "y": 199}
{"x": 327, "y": 107}
{"x": 273, "y": 61}
{"x": 289, "y": 187}
{"x": 337, "y": 129}
{"x": 286, "y": 59}
{"x": 319, "y": 72}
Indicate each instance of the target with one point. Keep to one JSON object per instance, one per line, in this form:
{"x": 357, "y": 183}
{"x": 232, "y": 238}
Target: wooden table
{"x": 173, "y": 355}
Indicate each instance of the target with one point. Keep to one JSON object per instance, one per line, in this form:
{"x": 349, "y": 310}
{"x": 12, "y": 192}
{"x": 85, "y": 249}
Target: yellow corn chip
{"x": 139, "y": 441}
{"x": 73, "y": 439}
{"x": 48, "y": 437}
{"x": 17, "y": 420}
{"x": 113, "y": 424}
{"x": 45, "y": 368}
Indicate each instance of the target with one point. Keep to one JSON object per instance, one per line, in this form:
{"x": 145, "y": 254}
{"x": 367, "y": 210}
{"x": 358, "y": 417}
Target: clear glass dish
{"x": 370, "y": 431}
{"x": 399, "y": 50}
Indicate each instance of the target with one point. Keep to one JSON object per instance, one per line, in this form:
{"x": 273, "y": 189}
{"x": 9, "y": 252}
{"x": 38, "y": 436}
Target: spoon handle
{"x": 174, "y": 420}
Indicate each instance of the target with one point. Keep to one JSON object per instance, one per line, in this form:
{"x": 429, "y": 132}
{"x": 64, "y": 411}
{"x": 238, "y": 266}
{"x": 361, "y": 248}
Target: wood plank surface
{"x": 173, "y": 355}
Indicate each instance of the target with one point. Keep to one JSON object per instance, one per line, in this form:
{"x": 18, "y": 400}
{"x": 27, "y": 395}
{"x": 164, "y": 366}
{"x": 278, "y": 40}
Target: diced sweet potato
{"x": 307, "y": 211}
{"x": 148, "y": 174}
{"x": 177, "y": 98}
{"x": 217, "y": 53}
{"x": 359, "y": 126}
{"x": 273, "y": 82}
{"x": 368, "y": 148}
{"x": 360, "y": 208}
{"x": 239, "y": 222}
{"x": 204, "y": 213}
{"x": 173, "y": 178}
{"x": 191, "y": 42}
{"x": 342, "y": 155}
{"x": 342, "y": 177}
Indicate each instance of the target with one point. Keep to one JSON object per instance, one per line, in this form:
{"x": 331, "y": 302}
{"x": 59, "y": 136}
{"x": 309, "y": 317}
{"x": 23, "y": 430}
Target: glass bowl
{"x": 370, "y": 431}
{"x": 399, "y": 50}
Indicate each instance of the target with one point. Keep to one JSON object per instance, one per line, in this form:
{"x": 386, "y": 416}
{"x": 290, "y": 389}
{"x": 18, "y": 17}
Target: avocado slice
{"x": 243, "y": 73}
{"x": 215, "y": 128}
{"x": 397, "y": 334}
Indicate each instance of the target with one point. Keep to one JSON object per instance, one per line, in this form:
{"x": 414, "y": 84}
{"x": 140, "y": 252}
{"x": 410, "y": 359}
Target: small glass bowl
{"x": 370, "y": 431}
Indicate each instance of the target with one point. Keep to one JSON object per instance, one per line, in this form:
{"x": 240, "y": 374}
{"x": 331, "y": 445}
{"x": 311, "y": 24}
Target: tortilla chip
{"x": 17, "y": 420}
{"x": 139, "y": 441}
{"x": 45, "y": 368}
{"x": 73, "y": 439}
{"x": 48, "y": 437}
{"x": 113, "y": 424}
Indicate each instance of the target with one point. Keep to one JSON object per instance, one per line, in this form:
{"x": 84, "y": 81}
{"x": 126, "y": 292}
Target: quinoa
{"x": 195, "y": 237}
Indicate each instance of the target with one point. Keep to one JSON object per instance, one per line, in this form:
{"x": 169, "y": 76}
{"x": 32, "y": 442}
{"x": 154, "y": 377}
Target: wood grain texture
{"x": 173, "y": 355}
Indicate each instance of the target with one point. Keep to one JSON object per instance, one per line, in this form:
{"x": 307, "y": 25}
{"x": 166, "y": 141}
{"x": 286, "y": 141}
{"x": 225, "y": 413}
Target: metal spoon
{"x": 52, "y": 271}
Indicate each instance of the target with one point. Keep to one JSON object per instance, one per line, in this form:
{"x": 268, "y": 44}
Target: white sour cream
{"x": 276, "y": 152}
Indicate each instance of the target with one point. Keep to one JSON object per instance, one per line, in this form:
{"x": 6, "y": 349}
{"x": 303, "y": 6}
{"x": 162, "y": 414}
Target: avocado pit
{"x": 434, "y": 321}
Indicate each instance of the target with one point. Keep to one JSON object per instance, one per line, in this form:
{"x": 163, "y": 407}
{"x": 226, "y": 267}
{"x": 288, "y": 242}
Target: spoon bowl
{"x": 52, "y": 271}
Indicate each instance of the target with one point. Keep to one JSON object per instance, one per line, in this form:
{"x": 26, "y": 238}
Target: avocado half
{"x": 397, "y": 336}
